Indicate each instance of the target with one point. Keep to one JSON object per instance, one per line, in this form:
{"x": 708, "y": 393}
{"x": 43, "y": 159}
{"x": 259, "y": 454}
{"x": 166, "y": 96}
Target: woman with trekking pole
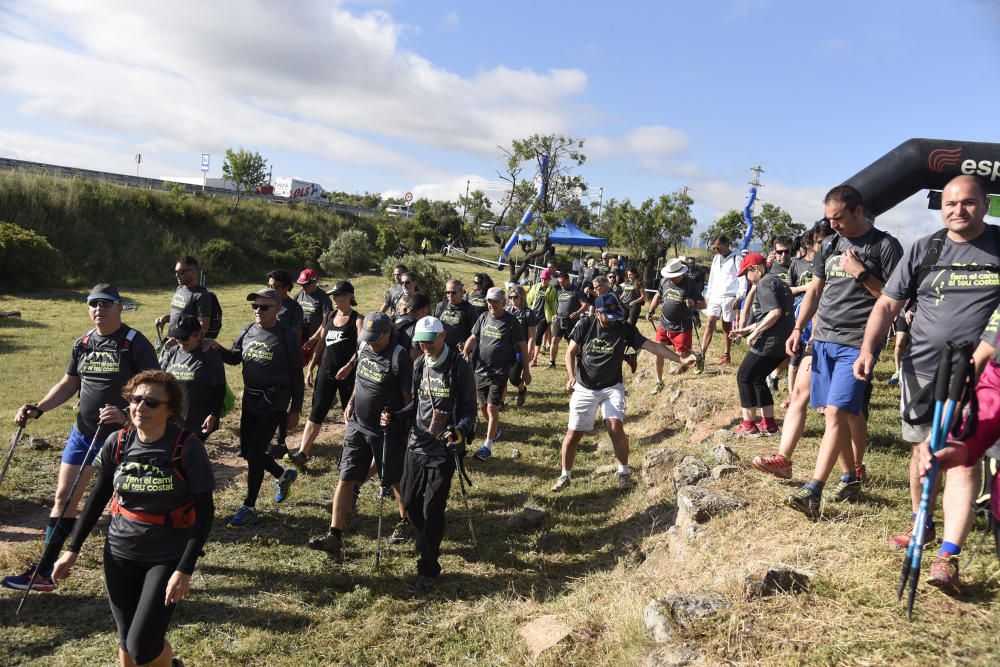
{"x": 159, "y": 480}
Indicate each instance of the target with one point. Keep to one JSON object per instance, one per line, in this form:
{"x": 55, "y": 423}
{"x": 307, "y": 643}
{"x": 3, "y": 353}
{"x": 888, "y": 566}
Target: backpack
{"x": 929, "y": 262}
{"x": 215, "y": 319}
{"x": 126, "y": 346}
{"x": 183, "y": 516}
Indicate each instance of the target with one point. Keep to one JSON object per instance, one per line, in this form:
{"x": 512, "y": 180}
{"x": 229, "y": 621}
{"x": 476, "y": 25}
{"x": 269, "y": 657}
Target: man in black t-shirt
{"x": 680, "y": 299}
{"x": 100, "y": 364}
{"x": 290, "y": 315}
{"x": 570, "y": 305}
{"x": 190, "y": 298}
{"x": 383, "y": 382}
{"x": 316, "y": 306}
{"x": 493, "y": 346}
{"x": 457, "y": 314}
{"x": 396, "y": 292}
{"x": 594, "y": 367}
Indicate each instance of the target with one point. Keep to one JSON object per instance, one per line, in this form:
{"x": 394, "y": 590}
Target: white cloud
{"x": 653, "y": 145}
{"x": 312, "y": 78}
{"x": 451, "y": 21}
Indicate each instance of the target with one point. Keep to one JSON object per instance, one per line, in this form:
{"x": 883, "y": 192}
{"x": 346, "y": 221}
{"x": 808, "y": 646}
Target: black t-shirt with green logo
{"x": 449, "y": 392}
{"x": 380, "y": 380}
{"x": 272, "y": 367}
{"x": 194, "y": 301}
{"x": 525, "y": 317}
{"x": 104, "y": 366}
{"x": 674, "y": 313}
{"x": 197, "y": 372}
{"x": 458, "y": 319}
{"x": 803, "y": 269}
{"x": 314, "y": 307}
{"x": 145, "y": 480}
{"x": 602, "y": 350}
{"x": 497, "y": 341}
{"x": 773, "y": 293}
{"x": 477, "y": 300}
{"x": 291, "y": 314}
{"x": 568, "y": 300}
{"x": 788, "y": 274}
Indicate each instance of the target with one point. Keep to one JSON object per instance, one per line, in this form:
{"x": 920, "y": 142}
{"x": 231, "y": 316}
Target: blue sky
{"x": 414, "y": 96}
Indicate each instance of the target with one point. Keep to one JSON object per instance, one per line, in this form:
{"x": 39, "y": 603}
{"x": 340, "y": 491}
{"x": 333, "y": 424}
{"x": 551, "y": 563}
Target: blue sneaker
{"x": 43, "y": 582}
{"x": 893, "y": 381}
{"x": 284, "y": 484}
{"x": 244, "y": 517}
{"x": 483, "y": 453}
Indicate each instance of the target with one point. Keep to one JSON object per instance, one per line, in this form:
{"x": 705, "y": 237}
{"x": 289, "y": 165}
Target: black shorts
{"x": 901, "y": 325}
{"x": 562, "y": 326}
{"x": 361, "y": 448}
{"x": 490, "y": 390}
{"x": 326, "y": 390}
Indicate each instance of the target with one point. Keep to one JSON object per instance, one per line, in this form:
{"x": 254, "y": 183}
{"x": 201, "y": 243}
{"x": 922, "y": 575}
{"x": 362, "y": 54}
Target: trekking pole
{"x": 10, "y": 454}
{"x": 381, "y": 496}
{"x": 159, "y": 338}
{"x": 696, "y": 344}
{"x": 62, "y": 514}
{"x": 462, "y": 478}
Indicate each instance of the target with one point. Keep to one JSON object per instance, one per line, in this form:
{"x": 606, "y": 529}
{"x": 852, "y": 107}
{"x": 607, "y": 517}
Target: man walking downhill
{"x": 570, "y": 305}
{"x": 443, "y": 408}
{"x": 594, "y": 369}
{"x": 954, "y": 300}
{"x": 680, "y": 298}
{"x": 316, "y": 307}
{"x": 492, "y": 350}
{"x": 849, "y": 273}
{"x": 721, "y": 298}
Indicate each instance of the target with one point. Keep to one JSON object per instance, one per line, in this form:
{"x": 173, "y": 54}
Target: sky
{"x": 405, "y": 96}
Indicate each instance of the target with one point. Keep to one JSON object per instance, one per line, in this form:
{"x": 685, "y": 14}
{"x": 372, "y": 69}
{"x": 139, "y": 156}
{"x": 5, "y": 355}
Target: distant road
{"x": 8, "y": 164}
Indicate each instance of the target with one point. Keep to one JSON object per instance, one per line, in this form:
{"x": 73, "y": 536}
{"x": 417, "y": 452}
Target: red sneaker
{"x": 747, "y": 431}
{"x": 902, "y": 541}
{"x": 724, "y": 359}
{"x": 944, "y": 574}
{"x": 775, "y": 464}
{"x": 766, "y": 430}
{"x": 861, "y": 472}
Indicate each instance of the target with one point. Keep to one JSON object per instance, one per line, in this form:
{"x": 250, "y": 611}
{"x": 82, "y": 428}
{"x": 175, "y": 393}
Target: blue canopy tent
{"x": 569, "y": 234}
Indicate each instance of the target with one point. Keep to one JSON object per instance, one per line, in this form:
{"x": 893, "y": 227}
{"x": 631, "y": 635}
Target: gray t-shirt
{"x": 788, "y": 274}
{"x": 568, "y": 300}
{"x": 674, "y": 313}
{"x": 194, "y": 301}
{"x": 291, "y": 314}
{"x": 953, "y": 304}
{"x": 197, "y": 372}
{"x": 314, "y": 307}
{"x": 845, "y": 304}
{"x": 379, "y": 384}
{"x": 497, "y": 340}
{"x": 451, "y": 393}
{"x": 773, "y": 293}
{"x": 803, "y": 268}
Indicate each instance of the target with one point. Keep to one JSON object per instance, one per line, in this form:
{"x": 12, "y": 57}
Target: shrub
{"x": 347, "y": 255}
{"x": 27, "y": 258}
{"x": 430, "y": 280}
{"x": 222, "y": 256}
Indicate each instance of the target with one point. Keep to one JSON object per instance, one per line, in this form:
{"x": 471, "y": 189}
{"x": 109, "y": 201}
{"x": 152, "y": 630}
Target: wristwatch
{"x": 861, "y": 277}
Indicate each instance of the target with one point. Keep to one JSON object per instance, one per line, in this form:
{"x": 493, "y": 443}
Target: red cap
{"x": 751, "y": 259}
{"x": 307, "y": 276}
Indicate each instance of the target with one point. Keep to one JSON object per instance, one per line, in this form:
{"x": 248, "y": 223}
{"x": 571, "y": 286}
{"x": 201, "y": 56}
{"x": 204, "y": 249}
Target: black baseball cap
{"x": 186, "y": 327}
{"x": 104, "y": 292}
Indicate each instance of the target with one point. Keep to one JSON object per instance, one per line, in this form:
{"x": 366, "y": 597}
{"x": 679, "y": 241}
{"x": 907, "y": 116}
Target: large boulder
{"x": 698, "y": 504}
{"x": 690, "y": 471}
{"x": 777, "y": 580}
{"x": 658, "y": 466}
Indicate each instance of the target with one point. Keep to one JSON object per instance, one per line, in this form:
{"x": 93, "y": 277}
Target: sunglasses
{"x": 782, "y": 252}
{"x": 100, "y": 303}
{"x": 406, "y": 282}
{"x": 514, "y": 296}
{"x": 151, "y": 403}
{"x": 450, "y": 292}
{"x": 183, "y": 271}
{"x": 261, "y": 306}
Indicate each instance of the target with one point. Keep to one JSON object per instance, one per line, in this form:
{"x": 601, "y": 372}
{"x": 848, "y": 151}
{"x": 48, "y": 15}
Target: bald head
{"x": 964, "y": 204}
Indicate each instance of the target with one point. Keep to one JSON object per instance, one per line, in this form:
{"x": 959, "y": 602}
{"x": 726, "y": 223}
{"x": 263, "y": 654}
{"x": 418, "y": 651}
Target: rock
{"x": 543, "y": 633}
{"x": 39, "y": 443}
{"x": 672, "y": 656}
{"x": 515, "y": 454}
{"x": 690, "y": 470}
{"x": 9, "y": 313}
{"x": 724, "y": 454}
{"x": 658, "y": 466}
{"x": 666, "y": 615}
{"x": 528, "y": 518}
{"x": 699, "y": 504}
{"x": 776, "y": 581}
{"x": 605, "y": 470}
{"x": 720, "y": 471}
{"x": 723, "y": 434}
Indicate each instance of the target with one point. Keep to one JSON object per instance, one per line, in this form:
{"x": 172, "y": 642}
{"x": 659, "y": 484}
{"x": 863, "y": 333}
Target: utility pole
{"x": 755, "y": 182}
{"x": 600, "y": 204}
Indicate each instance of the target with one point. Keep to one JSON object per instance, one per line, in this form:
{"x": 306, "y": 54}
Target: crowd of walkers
{"x": 411, "y": 384}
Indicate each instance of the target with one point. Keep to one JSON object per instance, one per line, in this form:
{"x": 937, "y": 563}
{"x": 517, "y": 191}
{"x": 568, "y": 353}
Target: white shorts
{"x": 724, "y": 308}
{"x": 584, "y": 402}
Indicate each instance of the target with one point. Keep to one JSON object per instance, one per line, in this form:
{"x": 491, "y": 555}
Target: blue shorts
{"x": 76, "y": 449}
{"x": 833, "y": 383}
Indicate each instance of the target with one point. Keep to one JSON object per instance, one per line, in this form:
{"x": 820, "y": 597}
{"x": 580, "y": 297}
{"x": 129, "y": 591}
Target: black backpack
{"x": 215, "y": 319}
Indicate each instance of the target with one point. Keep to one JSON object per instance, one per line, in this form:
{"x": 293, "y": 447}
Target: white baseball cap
{"x": 427, "y": 329}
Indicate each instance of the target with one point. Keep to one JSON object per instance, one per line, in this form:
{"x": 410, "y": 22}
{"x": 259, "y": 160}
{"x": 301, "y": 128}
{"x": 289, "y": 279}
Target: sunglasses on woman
{"x": 151, "y": 403}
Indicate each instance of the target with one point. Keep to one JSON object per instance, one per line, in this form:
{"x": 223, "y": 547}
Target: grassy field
{"x": 263, "y": 597}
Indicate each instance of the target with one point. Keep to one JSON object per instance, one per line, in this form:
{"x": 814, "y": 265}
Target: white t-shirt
{"x": 722, "y": 280}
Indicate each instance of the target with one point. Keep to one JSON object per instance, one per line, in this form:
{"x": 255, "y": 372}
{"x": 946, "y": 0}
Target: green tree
{"x": 245, "y": 170}
{"x": 476, "y": 211}
{"x": 730, "y": 224}
{"x": 372, "y": 200}
{"x": 773, "y": 222}
{"x": 678, "y": 222}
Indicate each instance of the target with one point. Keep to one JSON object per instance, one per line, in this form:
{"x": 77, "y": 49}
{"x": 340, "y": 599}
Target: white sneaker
{"x": 561, "y": 483}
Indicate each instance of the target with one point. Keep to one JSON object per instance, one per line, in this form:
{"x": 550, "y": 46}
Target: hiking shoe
{"x": 725, "y": 359}
{"x": 402, "y": 532}
{"x": 806, "y": 501}
{"x": 277, "y": 451}
{"x": 43, "y": 582}
{"x": 561, "y": 483}
{"x": 283, "y": 485}
{"x": 521, "y": 393}
{"x": 902, "y": 541}
{"x": 846, "y": 491}
{"x": 744, "y": 431}
{"x": 332, "y": 544}
{"x": 764, "y": 431}
{"x": 624, "y": 480}
{"x": 424, "y": 584}
{"x": 298, "y": 459}
{"x": 552, "y": 364}
{"x": 861, "y": 472}
{"x": 944, "y": 574}
{"x": 244, "y": 516}
{"x": 699, "y": 366}
{"x": 483, "y": 453}
{"x": 657, "y": 387}
{"x": 772, "y": 383}
{"x": 775, "y": 464}
{"x": 632, "y": 360}
{"x": 893, "y": 381}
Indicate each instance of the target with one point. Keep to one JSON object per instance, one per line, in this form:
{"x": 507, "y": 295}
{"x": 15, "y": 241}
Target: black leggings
{"x": 136, "y": 591}
{"x": 424, "y": 491}
{"x": 326, "y": 389}
{"x": 751, "y": 379}
{"x": 540, "y": 329}
{"x": 515, "y": 373}
{"x": 256, "y": 431}
{"x": 633, "y": 313}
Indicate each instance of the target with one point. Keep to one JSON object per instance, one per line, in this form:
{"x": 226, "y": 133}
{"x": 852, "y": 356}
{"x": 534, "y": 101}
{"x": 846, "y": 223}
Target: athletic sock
{"x": 567, "y": 473}
{"x": 815, "y": 485}
{"x": 622, "y": 468}
{"x": 487, "y": 443}
{"x": 336, "y": 532}
{"x": 949, "y": 549}
{"x": 848, "y": 477}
